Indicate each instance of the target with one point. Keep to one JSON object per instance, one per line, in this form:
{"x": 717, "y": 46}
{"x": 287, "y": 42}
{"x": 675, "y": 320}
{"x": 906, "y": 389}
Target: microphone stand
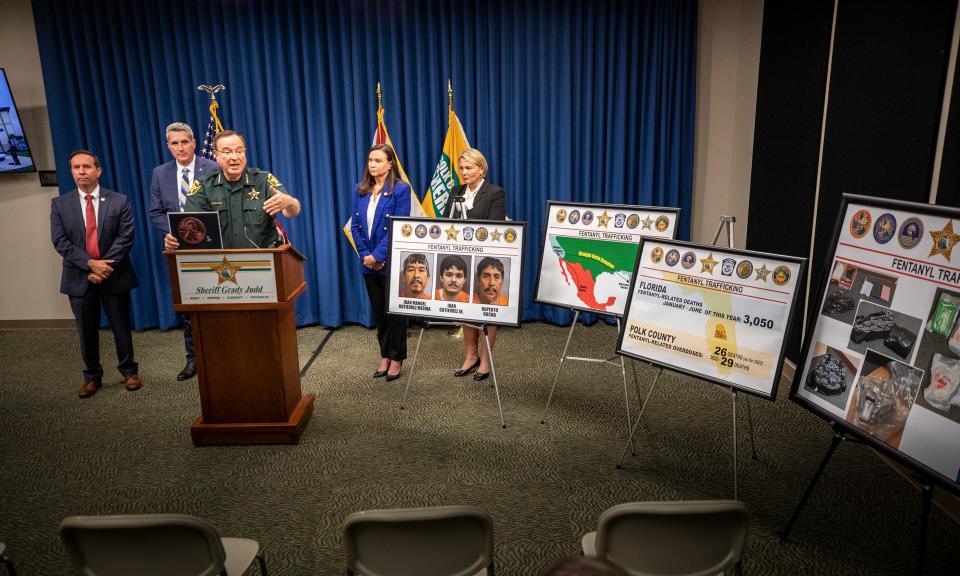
{"x": 458, "y": 206}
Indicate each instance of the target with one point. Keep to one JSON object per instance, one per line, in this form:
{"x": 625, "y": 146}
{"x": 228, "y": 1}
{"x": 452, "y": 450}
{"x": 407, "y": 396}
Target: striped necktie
{"x": 184, "y": 187}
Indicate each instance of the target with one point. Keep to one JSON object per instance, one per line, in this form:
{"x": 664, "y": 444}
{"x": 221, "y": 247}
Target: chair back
{"x": 688, "y": 538}
{"x": 435, "y": 541}
{"x": 146, "y": 545}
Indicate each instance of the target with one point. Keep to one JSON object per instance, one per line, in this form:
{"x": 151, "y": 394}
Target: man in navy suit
{"x": 168, "y": 193}
{"x": 92, "y": 229}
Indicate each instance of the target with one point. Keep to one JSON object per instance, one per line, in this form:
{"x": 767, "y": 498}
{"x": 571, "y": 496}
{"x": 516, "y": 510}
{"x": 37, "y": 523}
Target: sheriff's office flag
{"x": 381, "y": 136}
{"x": 446, "y": 176}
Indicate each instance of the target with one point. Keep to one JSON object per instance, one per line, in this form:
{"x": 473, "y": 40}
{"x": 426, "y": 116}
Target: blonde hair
{"x": 474, "y": 156}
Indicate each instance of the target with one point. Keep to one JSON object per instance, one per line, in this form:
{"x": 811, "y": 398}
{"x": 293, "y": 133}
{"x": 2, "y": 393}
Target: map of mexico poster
{"x": 589, "y": 251}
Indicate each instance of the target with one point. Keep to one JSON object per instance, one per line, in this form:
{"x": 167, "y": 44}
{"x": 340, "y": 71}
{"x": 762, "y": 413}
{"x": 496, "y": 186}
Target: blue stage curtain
{"x": 569, "y": 100}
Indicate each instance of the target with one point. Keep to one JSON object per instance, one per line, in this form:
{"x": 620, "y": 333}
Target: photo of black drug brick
{"x": 829, "y": 375}
{"x": 836, "y": 303}
{"x": 900, "y": 341}
{"x": 872, "y": 327}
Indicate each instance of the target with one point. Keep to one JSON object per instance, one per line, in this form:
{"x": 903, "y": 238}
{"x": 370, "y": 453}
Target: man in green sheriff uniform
{"x": 246, "y": 198}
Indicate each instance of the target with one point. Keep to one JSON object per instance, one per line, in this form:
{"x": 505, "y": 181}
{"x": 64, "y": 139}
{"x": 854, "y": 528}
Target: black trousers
{"x": 86, "y": 311}
{"x": 391, "y": 330}
{"x": 187, "y": 334}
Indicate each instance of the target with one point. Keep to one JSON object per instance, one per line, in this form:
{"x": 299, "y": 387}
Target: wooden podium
{"x": 244, "y": 334}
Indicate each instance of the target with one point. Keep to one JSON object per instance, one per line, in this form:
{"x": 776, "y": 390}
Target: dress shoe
{"x": 132, "y": 382}
{"x": 188, "y": 372}
{"x": 379, "y": 373}
{"x": 481, "y": 376}
{"x": 464, "y": 371}
{"x": 391, "y": 377}
{"x": 89, "y": 388}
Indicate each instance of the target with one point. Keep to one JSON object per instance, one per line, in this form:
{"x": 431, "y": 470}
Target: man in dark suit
{"x": 168, "y": 193}
{"x": 92, "y": 229}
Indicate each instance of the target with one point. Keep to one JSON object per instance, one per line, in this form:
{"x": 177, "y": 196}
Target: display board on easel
{"x": 881, "y": 359}
{"x": 467, "y": 271}
{"x": 719, "y": 314}
{"x": 589, "y": 251}
{"x": 586, "y": 261}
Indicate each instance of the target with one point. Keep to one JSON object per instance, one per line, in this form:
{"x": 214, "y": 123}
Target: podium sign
{"x": 236, "y": 278}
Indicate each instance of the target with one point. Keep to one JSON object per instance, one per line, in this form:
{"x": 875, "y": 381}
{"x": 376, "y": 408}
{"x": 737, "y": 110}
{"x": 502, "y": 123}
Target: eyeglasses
{"x": 227, "y": 152}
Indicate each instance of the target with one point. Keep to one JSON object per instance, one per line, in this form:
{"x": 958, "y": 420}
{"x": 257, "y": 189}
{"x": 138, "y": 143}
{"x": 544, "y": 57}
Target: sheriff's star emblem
{"x": 495, "y": 235}
{"x": 708, "y": 263}
{"x": 603, "y": 219}
{"x": 253, "y": 194}
{"x": 647, "y": 223}
{"x": 944, "y": 241}
{"x": 452, "y": 233}
{"x": 226, "y": 271}
{"x": 762, "y": 273}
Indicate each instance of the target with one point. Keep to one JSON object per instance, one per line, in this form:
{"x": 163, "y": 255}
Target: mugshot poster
{"x": 883, "y": 355}
{"x": 589, "y": 251}
{"x": 718, "y": 314}
{"x": 456, "y": 270}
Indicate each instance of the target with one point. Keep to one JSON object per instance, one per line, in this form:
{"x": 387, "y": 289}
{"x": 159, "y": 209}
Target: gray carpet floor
{"x": 544, "y": 484}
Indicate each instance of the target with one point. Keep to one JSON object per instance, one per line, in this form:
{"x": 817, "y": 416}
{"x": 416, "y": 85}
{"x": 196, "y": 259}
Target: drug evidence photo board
{"x": 881, "y": 358}
{"x": 589, "y": 250}
{"x": 456, "y": 270}
{"x": 719, "y": 314}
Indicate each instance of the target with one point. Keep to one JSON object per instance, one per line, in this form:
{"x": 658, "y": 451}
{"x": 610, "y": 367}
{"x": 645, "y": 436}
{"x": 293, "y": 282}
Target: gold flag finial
{"x": 450, "y": 93}
{"x": 379, "y": 97}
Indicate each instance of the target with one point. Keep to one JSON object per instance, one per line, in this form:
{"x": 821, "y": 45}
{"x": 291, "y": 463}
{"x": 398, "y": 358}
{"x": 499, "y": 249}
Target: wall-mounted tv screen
{"x": 15, "y": 154}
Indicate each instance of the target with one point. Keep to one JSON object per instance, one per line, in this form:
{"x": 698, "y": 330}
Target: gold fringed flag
{"x": 446, "y": 176}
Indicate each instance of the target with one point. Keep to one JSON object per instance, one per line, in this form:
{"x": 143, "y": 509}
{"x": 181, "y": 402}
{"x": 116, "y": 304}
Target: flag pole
{"x": 379, "y": 98}
{"x": 450, "y": 93}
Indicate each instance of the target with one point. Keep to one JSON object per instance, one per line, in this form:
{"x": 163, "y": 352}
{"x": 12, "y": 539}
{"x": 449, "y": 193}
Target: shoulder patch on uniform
{"x": 194, "y": 188}
{"x": 272, "y": 180}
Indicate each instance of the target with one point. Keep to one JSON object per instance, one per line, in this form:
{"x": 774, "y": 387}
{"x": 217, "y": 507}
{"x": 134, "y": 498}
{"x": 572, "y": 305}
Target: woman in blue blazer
{"x": 380, "y": 194}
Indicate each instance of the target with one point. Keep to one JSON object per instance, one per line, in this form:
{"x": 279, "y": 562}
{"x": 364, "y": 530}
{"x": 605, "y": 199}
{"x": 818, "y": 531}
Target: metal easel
{"x": 725, "y": 222}
{"x": 609, "y": 361}
{"x": 459, "y": 207}
{"x": 493, "y": 369}
{"x": 926, "y": 496}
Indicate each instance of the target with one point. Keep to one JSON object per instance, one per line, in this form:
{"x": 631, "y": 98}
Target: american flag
{"x": 214, "y": 127}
